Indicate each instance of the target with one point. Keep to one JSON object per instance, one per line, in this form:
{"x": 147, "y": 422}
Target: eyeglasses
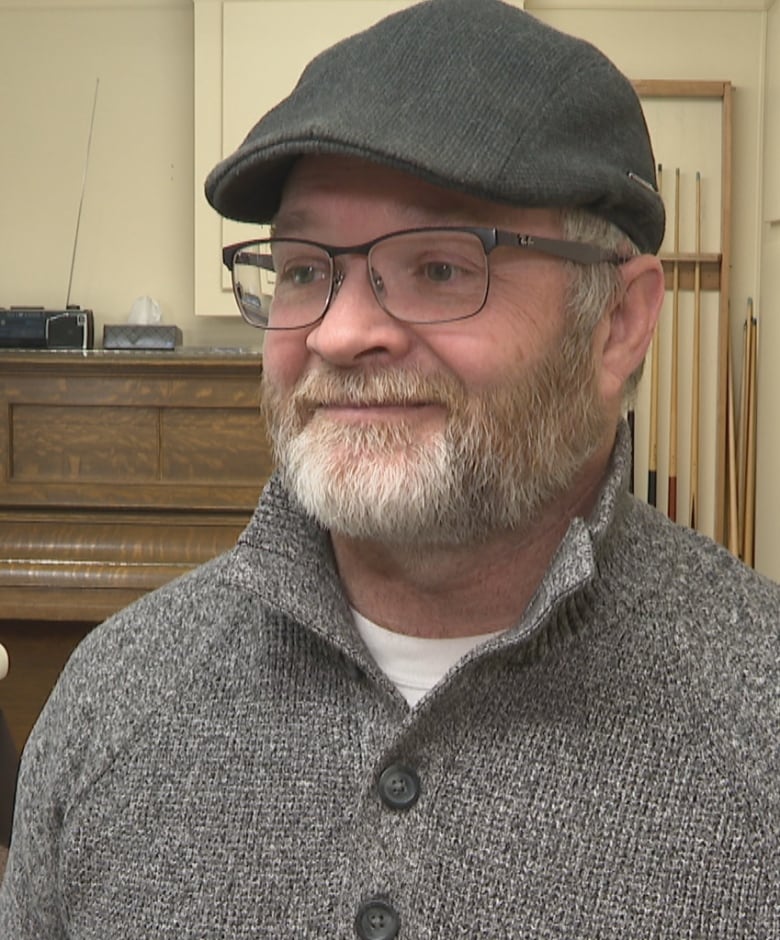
{"x": 420, "y": 275}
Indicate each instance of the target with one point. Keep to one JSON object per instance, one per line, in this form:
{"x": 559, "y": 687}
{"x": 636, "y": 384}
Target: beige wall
{"x": 136, "y": 232}
{"x": 138, "y": 219}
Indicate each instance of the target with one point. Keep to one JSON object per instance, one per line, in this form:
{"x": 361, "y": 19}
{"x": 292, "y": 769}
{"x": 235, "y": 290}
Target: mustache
{"x": 331, "y": 386}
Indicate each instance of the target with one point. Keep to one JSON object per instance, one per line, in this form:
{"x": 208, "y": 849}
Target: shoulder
{"x": 702, "y": 579}
{"x": 114, "y": 702}
{"x": 720, "y": 614}
{"x": 160, "y": 635}
{"x": 125, "y": 671}
{"x": 713, "y": 624}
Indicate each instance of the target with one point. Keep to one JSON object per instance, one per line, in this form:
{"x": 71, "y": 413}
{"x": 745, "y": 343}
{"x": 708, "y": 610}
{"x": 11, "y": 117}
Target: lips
{"x": 378, "y": 404}
{"x": 375, "y": 410}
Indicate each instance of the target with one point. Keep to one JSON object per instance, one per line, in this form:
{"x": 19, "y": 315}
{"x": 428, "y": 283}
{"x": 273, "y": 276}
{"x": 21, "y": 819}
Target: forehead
{"x": 329, "y": 186}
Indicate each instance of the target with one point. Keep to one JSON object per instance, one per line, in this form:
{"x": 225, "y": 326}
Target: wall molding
{"x": 633, "y": 6}
{"x": 61, "y": 6}
{"x": 655, "y": 6}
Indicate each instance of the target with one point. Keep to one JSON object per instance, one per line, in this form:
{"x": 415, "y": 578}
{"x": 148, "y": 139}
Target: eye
{"x": 302, "y": 274}
{"x": 301, "y": 271}
{"x": 450, "y": 270}
{"x": 440, "y": 272}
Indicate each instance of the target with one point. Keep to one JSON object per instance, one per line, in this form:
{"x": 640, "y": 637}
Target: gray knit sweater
{"x": 209, "y": 764}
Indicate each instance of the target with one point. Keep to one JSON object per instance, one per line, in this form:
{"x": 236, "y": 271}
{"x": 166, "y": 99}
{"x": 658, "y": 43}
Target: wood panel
{"x": 120, "y": 471}
{"x": 144, "y": 430}
{"x": 87, "y": 565}
{"x": 52, "y": 442}
{"x": 235, "y": 453}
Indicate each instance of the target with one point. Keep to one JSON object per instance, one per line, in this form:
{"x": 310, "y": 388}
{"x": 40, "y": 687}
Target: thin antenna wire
{"x": 81, "y": 200}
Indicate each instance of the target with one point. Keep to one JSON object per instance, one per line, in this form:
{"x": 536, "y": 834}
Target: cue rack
{"x": 693, "y": 427}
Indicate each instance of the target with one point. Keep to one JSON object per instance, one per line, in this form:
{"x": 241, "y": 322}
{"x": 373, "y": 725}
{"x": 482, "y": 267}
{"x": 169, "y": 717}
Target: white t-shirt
{"x": 414, "y": 664}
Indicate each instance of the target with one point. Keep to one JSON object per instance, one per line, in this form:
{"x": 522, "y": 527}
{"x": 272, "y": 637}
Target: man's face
{"x": 427, "y": 434}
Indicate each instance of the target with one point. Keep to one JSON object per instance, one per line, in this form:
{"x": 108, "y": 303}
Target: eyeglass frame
{"x": 491, "y": 238}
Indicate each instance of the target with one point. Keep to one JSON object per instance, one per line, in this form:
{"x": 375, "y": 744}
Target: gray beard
{"x": 502, "y": 458}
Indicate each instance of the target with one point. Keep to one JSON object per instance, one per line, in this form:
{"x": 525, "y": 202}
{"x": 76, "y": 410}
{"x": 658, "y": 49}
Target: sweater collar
{"x": 586, "y": 542}
{"x": 287, "y": 559}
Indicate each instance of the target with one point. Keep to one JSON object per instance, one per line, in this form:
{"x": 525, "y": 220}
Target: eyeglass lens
{"x": 418, "y": 277}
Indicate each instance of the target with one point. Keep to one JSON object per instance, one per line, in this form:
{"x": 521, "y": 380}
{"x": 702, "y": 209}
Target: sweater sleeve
{"x": 115, "y": 679}
{"x": 30, "y": 897}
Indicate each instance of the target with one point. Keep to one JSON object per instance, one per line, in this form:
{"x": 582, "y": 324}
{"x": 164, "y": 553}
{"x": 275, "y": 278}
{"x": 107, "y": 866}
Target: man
{"x": 453, "y": 681}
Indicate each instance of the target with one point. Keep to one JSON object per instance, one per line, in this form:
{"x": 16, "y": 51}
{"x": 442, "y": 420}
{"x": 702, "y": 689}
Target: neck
{"x": 453, "y": 591}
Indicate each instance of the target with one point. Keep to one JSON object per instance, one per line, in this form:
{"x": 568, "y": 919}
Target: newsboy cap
{"x": 471, "y": 95}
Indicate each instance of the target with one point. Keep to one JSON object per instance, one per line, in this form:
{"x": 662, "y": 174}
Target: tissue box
{"x": 142, "y": 336}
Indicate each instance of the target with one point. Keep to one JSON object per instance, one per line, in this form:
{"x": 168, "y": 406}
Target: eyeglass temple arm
{"x": 579, "y": 252}
{"x": 232, "y": 256}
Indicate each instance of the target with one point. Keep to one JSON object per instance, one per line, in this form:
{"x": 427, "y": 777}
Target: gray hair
{"x": 596, "y": 288}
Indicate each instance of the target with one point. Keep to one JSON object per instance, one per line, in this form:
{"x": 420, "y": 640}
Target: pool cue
{"x": 652, "y": 463}
{"x": 696, "y": 378}
{"x": 750, "y": 479}
{"x": 672, "y": 492}
{"x": 743, "y": 426}
{"x": 731, "y": 448}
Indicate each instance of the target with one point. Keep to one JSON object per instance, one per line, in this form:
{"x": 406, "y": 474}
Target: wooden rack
{"x": 714, "y": 267}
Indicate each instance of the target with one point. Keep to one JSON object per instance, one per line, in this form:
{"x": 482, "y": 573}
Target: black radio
{"x": 39, "y": 328}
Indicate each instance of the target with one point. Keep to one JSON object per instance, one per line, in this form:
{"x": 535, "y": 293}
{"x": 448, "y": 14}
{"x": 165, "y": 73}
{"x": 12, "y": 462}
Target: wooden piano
{"x": 118, "y": 472}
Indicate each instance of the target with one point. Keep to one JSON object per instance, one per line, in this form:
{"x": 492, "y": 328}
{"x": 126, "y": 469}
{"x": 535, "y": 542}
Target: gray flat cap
{"x": 472, "y": 95}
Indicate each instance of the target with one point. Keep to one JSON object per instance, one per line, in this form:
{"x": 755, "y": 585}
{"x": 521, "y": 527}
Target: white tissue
{"x": 145, "y": 310}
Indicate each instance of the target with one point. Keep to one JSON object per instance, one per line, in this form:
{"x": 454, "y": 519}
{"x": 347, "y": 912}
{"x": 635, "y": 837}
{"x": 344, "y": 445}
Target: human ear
{"x": 626, "y": 330}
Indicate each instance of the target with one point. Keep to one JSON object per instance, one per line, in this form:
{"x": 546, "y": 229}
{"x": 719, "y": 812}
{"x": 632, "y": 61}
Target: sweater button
{"x": 377, "y": 920}
{"x": 399, "y": 786}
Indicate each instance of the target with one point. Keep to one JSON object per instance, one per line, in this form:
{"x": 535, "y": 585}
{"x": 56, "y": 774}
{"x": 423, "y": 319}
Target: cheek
{"x": 284, "y": 357}
{"x": 532, "y": 315}
{"x": 504, "y": 338}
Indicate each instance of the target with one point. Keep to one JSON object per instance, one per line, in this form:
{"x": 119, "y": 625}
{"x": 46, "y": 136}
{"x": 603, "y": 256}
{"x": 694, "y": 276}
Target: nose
{"x": 355, "y": 327}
